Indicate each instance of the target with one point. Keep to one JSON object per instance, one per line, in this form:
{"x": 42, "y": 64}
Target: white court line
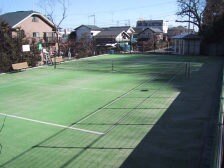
{"x": 52, "y": 124}
{"x": 91, "y": 57}
{"x": 80, "y": 88}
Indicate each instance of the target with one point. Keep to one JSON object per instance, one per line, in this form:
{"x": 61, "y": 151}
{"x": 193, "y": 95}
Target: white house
{"x": 112, "y": 37}
{"x": 86, "y": 32}
{"x": 108, "y": 39}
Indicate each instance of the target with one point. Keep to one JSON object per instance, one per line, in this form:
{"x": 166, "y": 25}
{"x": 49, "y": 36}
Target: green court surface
{"x": 87, "y": 113}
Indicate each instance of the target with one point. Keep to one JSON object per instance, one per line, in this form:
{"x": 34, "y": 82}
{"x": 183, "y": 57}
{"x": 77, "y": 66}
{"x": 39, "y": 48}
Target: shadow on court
{"x": 184, "y": 135}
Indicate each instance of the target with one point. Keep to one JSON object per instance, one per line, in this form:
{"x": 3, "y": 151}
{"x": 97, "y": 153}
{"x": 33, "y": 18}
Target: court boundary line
{"x": 52, "y": 124}
{"x": 81, "y": 88}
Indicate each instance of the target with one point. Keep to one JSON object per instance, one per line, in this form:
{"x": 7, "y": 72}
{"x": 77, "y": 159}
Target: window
{"x": 36, "y": 34}
{"x": 139, "y": 23}
{"x": 35, "y": 19}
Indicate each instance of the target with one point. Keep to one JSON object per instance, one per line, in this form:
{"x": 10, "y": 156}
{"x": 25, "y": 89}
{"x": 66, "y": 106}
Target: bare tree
{"x": 50, "y": 10}
{"x": 191, "y": 11}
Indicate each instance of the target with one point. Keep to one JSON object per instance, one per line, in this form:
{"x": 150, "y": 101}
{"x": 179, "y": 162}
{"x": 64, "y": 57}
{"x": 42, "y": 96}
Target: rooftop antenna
{"x": 33, "y": 5}
{"x": 112, "y": 13}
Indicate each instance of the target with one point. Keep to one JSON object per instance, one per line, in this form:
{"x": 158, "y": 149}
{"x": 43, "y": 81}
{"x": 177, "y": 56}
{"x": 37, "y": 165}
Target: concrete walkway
{"x": 184, "y": 136}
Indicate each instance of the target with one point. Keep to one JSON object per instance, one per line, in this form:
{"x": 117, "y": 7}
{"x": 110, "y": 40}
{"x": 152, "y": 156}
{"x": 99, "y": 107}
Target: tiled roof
{"x": 118, "y": 28}
{"x": 92, "y": 27}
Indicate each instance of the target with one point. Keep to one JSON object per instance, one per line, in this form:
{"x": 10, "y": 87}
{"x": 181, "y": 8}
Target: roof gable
{"x": 110, "y": 34}
{"x": 15, "y": 18}
{"x": 154, "y": 30}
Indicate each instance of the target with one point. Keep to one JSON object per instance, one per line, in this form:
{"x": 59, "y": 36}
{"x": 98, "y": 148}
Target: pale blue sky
{"x": 107, "y": 12}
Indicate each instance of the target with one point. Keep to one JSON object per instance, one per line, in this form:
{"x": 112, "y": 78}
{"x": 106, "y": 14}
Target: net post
{"x": 112, "y": 65}
{"x": 189, "y": 71}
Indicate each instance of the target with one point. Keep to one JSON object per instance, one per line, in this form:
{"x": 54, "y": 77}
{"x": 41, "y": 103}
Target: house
{"x": 155, "y": 24}
{"x": 110, "y": 38}
{"x": 148, "y": 38}
{"x": 86, "y": 32}
{"x": 187, "y": 44}
{"x": 34, "y": 25}
{"x": 154, "y": 34}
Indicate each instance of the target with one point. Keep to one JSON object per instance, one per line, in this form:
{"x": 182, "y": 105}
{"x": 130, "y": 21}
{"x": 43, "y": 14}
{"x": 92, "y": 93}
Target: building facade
{"x": 158, "y": 24}
{"x": 187, "y": 44}
{"x": 86, "y": 32}
{"x": 34, "y": 25}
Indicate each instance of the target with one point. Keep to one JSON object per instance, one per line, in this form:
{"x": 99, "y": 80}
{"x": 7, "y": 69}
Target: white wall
{"x": 85, "y": 32}
{"x": 94, "y": 32}
{"x": 120, "y": 38}
{"x": 165, "y": 27}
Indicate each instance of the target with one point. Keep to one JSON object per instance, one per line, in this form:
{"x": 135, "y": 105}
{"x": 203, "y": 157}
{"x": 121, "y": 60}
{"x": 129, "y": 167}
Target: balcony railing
{"x": 46, "y": 39}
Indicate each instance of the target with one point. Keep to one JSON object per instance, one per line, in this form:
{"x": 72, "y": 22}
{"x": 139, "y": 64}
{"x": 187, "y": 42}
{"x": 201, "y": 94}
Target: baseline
{"x": 52, "y": 124}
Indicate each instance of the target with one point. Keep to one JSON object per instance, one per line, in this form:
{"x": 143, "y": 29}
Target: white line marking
{"x": 52, "y": 124}
{"x": 80, "y": 88}
{"x": 2, "y": 73}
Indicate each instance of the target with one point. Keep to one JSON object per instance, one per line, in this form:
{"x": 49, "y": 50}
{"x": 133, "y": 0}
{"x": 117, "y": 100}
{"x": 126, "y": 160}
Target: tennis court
{"x": 87, "y": 113}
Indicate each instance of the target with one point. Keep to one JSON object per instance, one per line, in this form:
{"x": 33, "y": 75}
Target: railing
{"x": 46, "y": 39}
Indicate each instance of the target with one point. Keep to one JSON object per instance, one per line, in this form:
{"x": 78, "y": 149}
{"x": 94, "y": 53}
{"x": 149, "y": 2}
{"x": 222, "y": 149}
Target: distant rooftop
{"x": 187, "y": 36}
{"x": 155, "y": 30}
{"x": 109, "y": 33}
{"x": 118, "y": 28}
{"x": 92, "y": 27}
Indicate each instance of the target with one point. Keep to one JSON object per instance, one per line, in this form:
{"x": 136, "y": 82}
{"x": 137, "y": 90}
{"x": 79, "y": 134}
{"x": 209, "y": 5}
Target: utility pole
{"x": 33, "y": 5}
{"x": 189, "y": 18}
{"x": 94, "y": 19}
{"x": 189, "y": 26}
{"x": 118, "y": 23}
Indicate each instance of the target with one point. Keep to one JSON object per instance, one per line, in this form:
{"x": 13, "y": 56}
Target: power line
{"x": 126, "y": 9}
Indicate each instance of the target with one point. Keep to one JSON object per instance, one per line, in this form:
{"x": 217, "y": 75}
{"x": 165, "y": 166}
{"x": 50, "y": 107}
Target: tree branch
{"x": 187, "y": 21}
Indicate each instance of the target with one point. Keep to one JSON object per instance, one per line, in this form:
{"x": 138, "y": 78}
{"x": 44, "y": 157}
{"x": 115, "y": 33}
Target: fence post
{"x": 189, "y": 70}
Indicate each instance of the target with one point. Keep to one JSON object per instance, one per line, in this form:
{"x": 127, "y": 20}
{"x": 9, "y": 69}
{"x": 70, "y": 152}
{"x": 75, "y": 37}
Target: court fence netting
{"x": 219, "y": 134}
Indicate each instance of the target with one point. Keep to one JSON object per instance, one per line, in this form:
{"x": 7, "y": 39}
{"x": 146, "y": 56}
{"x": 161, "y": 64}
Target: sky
{"x": 107, "y": 12}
